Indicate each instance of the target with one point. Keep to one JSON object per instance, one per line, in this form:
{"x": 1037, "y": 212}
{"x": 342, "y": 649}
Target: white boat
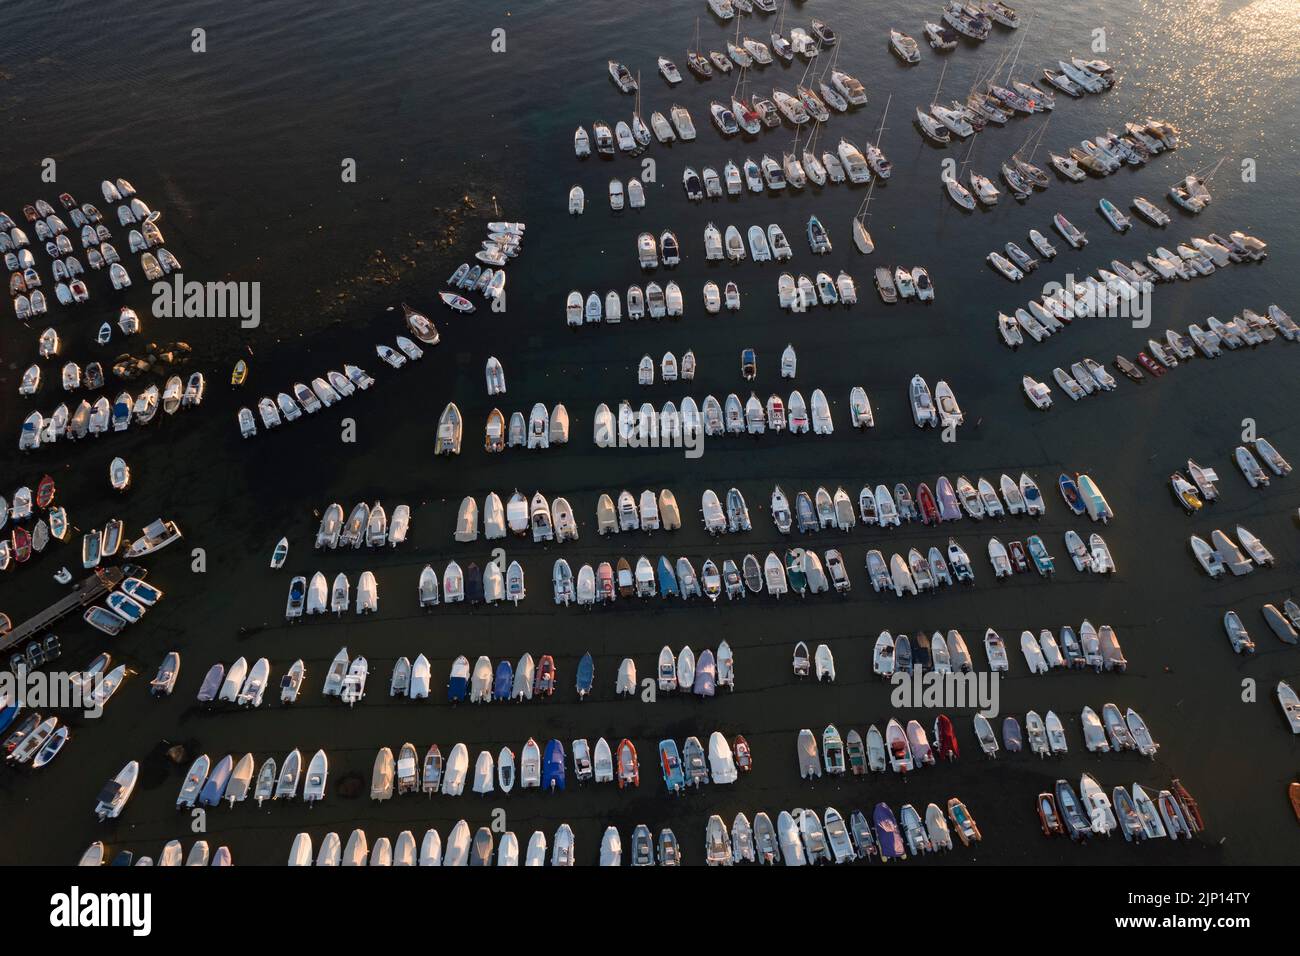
{"x": 115, "y": 794}
{"x": 923, "y": 409}
{"x": 1037, "y": 392}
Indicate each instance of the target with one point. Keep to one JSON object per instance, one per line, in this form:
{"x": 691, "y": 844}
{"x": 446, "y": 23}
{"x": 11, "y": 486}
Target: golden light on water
{"x": 1194, "y": 59}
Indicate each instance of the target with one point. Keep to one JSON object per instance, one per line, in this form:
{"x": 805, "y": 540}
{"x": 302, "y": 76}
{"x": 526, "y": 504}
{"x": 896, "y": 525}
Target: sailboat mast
{"x": 940, "y": 86}
{"x": 1042, "y": 131}
{"x": 1023, "y": 36}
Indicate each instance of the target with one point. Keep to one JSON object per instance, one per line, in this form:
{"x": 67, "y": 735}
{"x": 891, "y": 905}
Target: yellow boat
{"x": 1185, "y": 492}
{"x": 240, "y": 373}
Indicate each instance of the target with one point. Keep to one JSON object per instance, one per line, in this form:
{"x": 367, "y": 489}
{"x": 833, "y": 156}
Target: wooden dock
{"x": 81, "y": 596}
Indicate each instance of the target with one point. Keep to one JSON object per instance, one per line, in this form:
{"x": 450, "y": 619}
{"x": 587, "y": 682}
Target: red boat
{"x": 629, "y": 770}
{"x": 45, "y": 493}
{"x": 22, "y": 544}
{"x": 945, "y": 738}
{"x": 1019, "y": 559}
{"x": 1047, "y": 815}
{"x": 744, "y": 758}
{"x": 925, "y": 501}
{"x": 544, "y": 684}
{"x": 605, "y": 583}
{"x": 1150, "y": 364}
{"x": 1190, "y": 807}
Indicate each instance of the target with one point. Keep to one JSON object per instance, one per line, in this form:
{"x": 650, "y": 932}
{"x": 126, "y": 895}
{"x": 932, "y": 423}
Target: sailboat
{"x": 930, "y": 127}
{"x": 697, "y": 61}
{"x": 813, "y": 166}
{"x": 640, "y": 131}
{"x": 861, "y": 237}
{"x": 956, "y": 191}
{"x": 811, "y": 101}
{"x": 793, "y": 169}
{"x": 1025, "y": 167}
{"x": 780, "y": 45}
{"x": 828, "y": 88}
{"x": 880, "y": 165}
{"x": 746, "y": 116}
{"x": 1192, "y": 193}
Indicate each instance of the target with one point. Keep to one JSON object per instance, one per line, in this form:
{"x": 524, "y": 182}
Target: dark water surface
{"x": 240, "y": 147}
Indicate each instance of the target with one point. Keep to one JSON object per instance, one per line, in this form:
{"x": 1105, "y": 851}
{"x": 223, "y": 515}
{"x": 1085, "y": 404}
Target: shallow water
{"x": 241, "y": 148}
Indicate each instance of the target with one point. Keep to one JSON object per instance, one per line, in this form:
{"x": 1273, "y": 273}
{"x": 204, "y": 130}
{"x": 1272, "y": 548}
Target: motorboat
{"x": 904, "y": 47}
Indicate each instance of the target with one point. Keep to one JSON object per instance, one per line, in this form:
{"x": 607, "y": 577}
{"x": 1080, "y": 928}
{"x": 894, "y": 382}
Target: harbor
{"x": 386, "y": 310}
{"x": 83, "y": 594}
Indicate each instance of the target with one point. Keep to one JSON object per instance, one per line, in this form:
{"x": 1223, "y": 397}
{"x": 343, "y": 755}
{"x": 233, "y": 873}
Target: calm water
{"x": 240, "y": 147}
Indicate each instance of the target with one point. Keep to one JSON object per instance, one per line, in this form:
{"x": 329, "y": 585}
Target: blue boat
{"x": 888, "y": 838}
{"x": 1038, "y": 552}
{"x": 1033, "y": 497}
{"x": 1011, "y": 738}
{"x": 8, "y": 709}
{"x": 1070, "y": 492}
{"x": 458, "y": 681}
{"x": 949, "y": 509}
{"x": 505, "y": 681}
{"x": 706, "y": 674}
{"x": 211, "y": 685}
{"x": 667, "y": 578}
{"x": 121, "y": 416}
{"x": 211, "y": 793}
{"x": 124, "y": 858}
{"x": 921, "y": 658}
{"x": 553, "y": 766}
{"x": 902, "y": 654}
{"x": 670, "y": 761}
{"x": 473, "y": 584}
{"x": 586, "y": 675}
{"x": 1076, "y": 823}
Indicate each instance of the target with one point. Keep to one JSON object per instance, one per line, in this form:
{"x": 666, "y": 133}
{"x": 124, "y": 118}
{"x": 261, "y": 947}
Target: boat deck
{"x": 81, "y": 596}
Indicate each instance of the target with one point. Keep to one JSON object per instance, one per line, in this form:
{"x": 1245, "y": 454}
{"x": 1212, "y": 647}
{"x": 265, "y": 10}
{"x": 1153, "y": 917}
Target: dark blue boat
{"x": 805, "y": 513}
{"x": 1070, "y": 492}
{"x": 921, "y": 659}
{"x": 586, "y": 675}
{"x": 1011, "y": 738}
{"x": 473, "y": 584}
{"x": 211, "y": 685}
{"x": 8, "y": 712}
{"x": 553, "y": 766}
{"x": 505, "y": 681}
{"x": 125, "y": 858}
{"x": 1033, "y": 497}
{"x": 888, "y": 838}
{"x": 902, "y": 654}
{"x": 706, "y": 674}
{"x": 1076, "y": 823}
{"x": 211, "y": 793}
{"x": 667, "y": 578}
{"x": 458, "y": 681}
